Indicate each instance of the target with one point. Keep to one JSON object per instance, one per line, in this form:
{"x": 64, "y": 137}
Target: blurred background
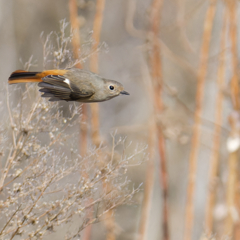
{"x": 179, "y": 62}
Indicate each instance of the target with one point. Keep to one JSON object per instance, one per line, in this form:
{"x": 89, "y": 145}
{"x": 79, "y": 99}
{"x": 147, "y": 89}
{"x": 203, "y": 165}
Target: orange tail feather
{"x": 21, "y": 76}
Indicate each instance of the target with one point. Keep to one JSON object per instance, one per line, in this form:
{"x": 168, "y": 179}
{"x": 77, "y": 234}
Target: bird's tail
{"x": 21, "y": 76}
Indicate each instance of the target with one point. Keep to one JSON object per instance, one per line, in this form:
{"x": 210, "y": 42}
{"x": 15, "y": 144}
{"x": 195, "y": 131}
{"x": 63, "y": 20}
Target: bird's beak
{"x": 124, "y": 93}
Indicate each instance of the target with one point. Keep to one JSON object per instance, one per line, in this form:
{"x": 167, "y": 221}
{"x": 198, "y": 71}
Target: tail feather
{"x": 21, "y": 76}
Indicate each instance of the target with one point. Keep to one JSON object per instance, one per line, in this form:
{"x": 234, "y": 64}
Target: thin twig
{"x": 9, "y": 220}
{"x": 156, "y": 73}
{"x": 232, "y": 191}
{"x": 9, "y": 162}
{"x": 73, "y": 10}
{"x": 97, "y": 27}
{"x": 202, "y": 71}
{"x": 149, "y": 178}
{"x": 214, "y": 162}
{"x": 149, "y": 182}
{"x": 24, "y": 170}
{"x": 14, "y": 154}
{"x": 95, "y": 135}
{"x": 11, "y": 120}
{"x": 232, "y": 5}
{"x": 33, "y": 205}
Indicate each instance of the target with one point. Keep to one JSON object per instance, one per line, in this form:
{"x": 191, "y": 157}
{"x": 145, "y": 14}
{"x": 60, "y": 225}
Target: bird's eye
{"x": 111, "y": 87}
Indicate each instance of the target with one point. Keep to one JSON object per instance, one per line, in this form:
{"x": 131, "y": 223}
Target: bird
{"x": 71, "y": 84}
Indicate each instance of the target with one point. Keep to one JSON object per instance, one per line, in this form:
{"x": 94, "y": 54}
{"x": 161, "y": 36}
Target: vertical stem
{"x": 237, "y": 201}
{"x": 73, "y": 10}
{"x": 149, "y": 181}
{"x": 214, "y": 162}
{"x": 189, "y": 214}
{"x": 232, "y": 192}
{"x": 156, "y": 72}
{"x": 97, "y": 26}
{"x": 233, "y": 38}
{"x": 88, "y": 229}
{"x": 149, "y": 178}
{"x": 164, "y": 181}
{"x": 109, "y": 220}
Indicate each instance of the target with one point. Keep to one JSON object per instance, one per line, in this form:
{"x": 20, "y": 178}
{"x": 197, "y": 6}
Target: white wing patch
{"x": 67, "y": 81}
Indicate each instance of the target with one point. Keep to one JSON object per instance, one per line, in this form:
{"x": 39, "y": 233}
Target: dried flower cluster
{"x": 57, "y": 52}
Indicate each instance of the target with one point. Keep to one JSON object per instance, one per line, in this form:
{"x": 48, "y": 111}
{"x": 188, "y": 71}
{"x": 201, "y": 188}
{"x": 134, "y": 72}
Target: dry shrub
{"x": 44, "y": 182}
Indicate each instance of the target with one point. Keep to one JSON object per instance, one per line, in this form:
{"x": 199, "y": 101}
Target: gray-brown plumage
{"x": 71, "y": 84}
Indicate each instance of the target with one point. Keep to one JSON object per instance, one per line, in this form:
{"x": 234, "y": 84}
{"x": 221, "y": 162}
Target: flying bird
{"x": 72, "y": 84}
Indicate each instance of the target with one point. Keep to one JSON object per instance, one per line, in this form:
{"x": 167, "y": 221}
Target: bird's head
{"x": 113, "y": 89}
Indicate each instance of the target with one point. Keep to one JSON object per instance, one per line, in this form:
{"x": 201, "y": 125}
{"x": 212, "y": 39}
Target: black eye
{"x": 111, "y": 87}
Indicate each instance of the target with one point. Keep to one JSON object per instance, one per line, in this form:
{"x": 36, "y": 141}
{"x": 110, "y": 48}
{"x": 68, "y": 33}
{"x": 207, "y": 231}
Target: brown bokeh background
{"x": 197, "y": 46}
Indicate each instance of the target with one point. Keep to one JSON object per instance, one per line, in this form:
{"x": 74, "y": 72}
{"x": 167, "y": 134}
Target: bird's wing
{"x": 58, "y": 88}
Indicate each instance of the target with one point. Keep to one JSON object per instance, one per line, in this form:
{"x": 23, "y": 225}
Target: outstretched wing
{"x": 57, "y": 88}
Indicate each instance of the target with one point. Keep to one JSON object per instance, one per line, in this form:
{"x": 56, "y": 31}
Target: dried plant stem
{"x": 149, "y": 182}
{"x": 12, "y": 180}
{"x": 237, "y": 201}
{"x": 94, "y": 67}
{"x": 232, "y": 192}
{"x": 232, "y": 5}
{"x": 214, "y": 162}
{"x": 189, "y": 214}
{"x": 164, "y": 182}
{"x": 73, "y": 10}
{"x": 149, "y": 178}
{"x": 109, "y": 220}
{"x": 97, "y": 26}
{"x": 9, "y": 220}
{"x": 156, "y": 74}
{"x": 33, "y": 205}
{"x": 14, "y": 152}
{"x": 11, "y": 120}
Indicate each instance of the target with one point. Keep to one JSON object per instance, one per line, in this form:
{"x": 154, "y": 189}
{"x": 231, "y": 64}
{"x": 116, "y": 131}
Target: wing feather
{"x": 58, "y": 88}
